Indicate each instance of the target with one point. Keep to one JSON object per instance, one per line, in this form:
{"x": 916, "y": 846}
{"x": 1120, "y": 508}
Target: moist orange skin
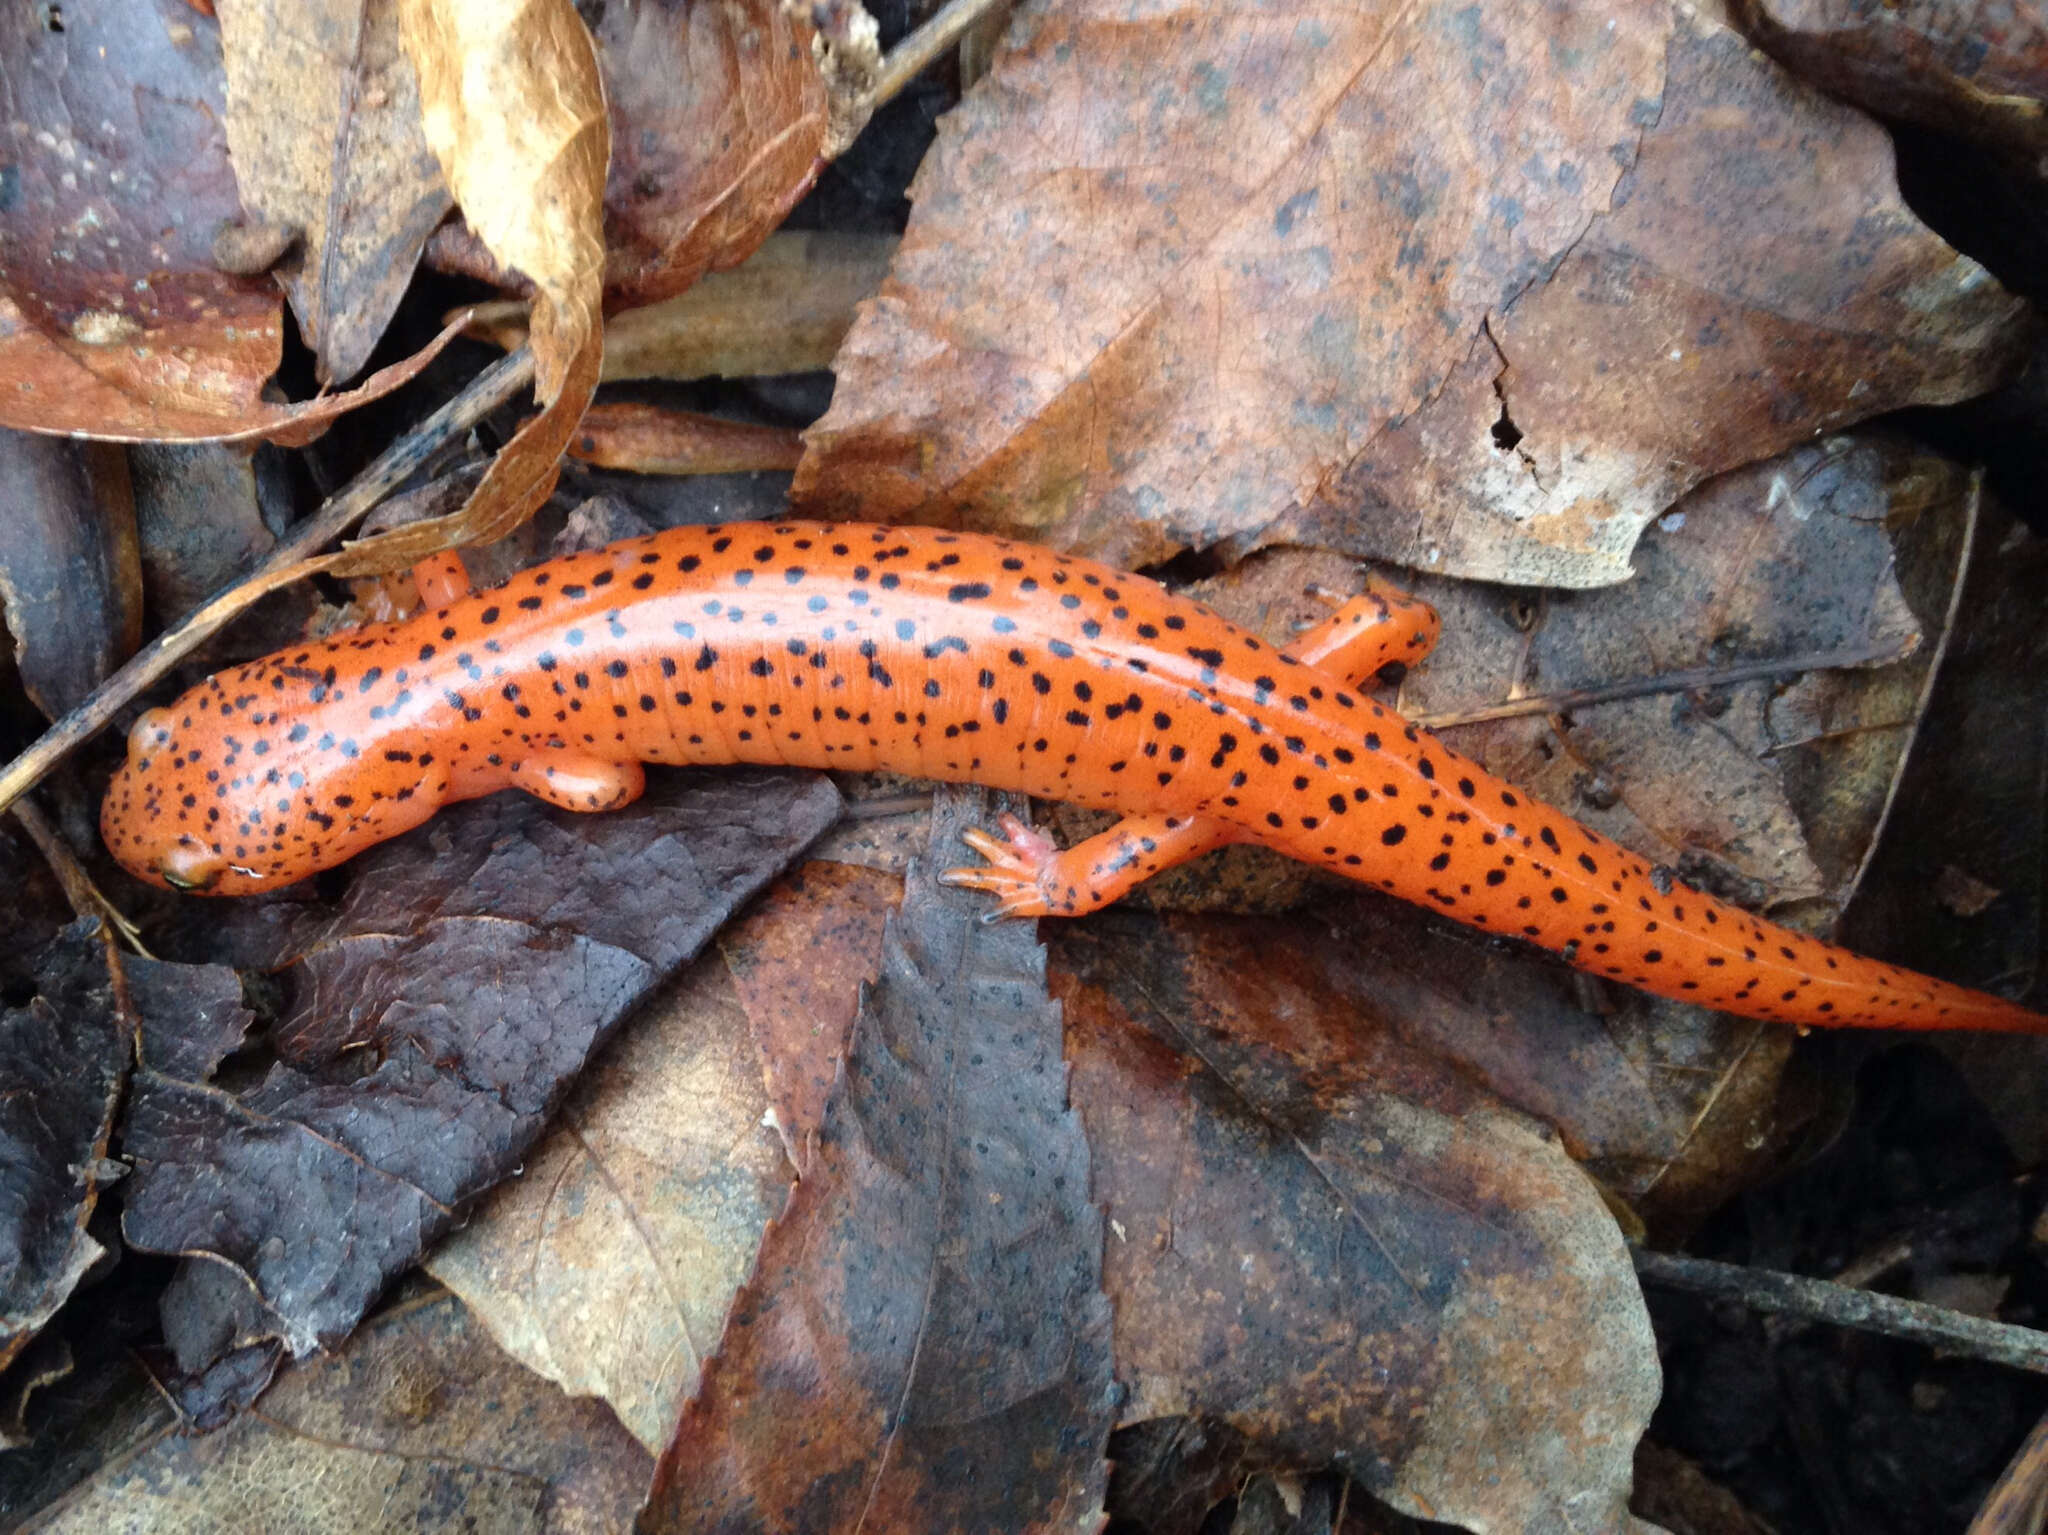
{"x": 947, "y": 656}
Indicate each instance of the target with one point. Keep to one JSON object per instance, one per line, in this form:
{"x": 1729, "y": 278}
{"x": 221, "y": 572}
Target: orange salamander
{"x": 955, "y": 657}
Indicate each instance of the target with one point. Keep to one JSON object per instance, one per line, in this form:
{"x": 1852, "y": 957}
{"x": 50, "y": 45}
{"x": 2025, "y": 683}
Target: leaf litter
{"x": 1494, "y": 339}
{"x": 369, "y": 1045}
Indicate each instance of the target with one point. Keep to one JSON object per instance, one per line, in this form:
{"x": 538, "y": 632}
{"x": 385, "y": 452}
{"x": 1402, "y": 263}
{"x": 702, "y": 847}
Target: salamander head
{"x": 232, "y": 811}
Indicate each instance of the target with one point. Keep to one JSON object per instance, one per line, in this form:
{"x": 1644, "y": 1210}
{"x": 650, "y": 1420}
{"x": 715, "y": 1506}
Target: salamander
{"x": 956, "y": 657}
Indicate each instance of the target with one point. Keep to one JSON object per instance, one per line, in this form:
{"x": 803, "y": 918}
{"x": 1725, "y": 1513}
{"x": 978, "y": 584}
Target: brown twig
{"x": 908, "y": 58}
{"x": 1819, "y": 1300}
{"x": 286, "y": 563}
{"x": 1665, "y": 682}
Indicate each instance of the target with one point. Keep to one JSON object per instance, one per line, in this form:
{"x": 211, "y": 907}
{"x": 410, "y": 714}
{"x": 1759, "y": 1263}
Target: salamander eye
{"x": 188, "y": 866}
{"x": 150, "y": 730}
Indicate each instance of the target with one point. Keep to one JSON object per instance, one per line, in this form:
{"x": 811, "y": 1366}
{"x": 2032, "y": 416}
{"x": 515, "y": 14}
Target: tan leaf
{"x": 609, "y": 1264}
{"x": 324, "y": 126}
{"x": 1478, "y": 290}
{"x": 515, "y": 113}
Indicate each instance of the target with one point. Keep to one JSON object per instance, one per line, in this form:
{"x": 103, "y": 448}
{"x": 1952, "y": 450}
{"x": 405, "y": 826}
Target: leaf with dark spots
{"x": 431, "y": 1027}
{"x": 925, "y": 1343}
{"x": 798, "y": 961}
{"x": 417, "y": 1424}
{"x": 1188, "y": 316}
{"x": 63, "y": 1053}
{"x": 1337, "y": 1248}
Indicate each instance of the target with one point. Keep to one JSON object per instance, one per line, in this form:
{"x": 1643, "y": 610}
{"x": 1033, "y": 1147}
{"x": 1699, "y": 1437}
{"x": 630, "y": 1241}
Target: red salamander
{"x": 956, "y": 657}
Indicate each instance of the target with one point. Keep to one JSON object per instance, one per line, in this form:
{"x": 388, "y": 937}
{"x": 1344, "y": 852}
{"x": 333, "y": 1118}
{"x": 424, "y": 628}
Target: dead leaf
{"x": 418, "y": 1424}
{"x": 430, "y": 1028}
{"x": 653, "y": 439}
{"x": 1320, "y": 1237}
{"x": 70, "y": 578}
{"x": 608, "y": 1264}
{"x": 114, "y": 321}
{"x": 323, "y": 123}
{"x": 925, "y": 1342}
{"x": 798, "y": 963}
{"x": 515, "y": 113}
{"x": 1481, "y": 292}
{"x": 722, "y": 127}
{"x": 63, "y": 1057}
{"x": 1967, "y": 69}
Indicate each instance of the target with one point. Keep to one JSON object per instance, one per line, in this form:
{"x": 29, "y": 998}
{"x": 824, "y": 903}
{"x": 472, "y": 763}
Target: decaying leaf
{"x": 1479, "y": 290}
{"x": 115, "y": 321}
{"x": 430, "y": 1028}
{"x": 925, "y": 1343}
{"x": 798, "y": 964}
{"x": 719, "y": 124}
{"x": 418, "y": 1424}
{"x": 323, "y": 124}
{"x": 63, "y": 1056}
{"x": 70, "y": 579}
{"x": 1322, "y": 1238}
{"x": 1979, "y": 70}
{"x": 608, "y": 1264}
{"x": 515, "y": 113}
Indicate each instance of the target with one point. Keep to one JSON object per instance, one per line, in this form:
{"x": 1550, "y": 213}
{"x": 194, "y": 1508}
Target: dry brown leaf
{"x": 1254, "y": 275}
{"x": 323, "y": 121}
{"x": 609, "y": 1264}
{"x": 515, "y": 113}
{"x": 720, "y": 121}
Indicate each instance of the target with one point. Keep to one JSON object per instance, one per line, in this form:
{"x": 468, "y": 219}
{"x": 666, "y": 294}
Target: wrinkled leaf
{"x": 515, "y": 113}
{"x": 114, "y": 180}
{"x": 63, "y": 1054}
{"x": 419, "y": 1424}
{"x": 1980, "y": 70}
{"x": 430, "y": 1027}
{"x": 608, "y": 1264}
{"x": 925, "y": 1343}
{"x": 1481, "y": 290}
{"x": 1320, "y": 1237}
{"x": 323, "y": 123}
{"x": 70, "y": 582}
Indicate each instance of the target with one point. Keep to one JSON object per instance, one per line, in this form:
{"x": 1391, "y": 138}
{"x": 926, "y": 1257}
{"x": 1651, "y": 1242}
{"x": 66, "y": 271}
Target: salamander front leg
{"x": 441, "y": 579}
{"x": 576, "y": 782}
{"x": 1032, "y": 877}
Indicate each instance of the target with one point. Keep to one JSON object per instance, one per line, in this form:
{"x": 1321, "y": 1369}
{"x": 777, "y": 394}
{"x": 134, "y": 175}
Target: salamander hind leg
{"x": 575, "y": 782}
{"x": 1375, "y": 629}
{"x": 1032, "y": 877}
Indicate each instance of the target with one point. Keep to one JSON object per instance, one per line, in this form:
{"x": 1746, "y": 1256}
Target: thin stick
{"x": 1666, "y": 682}
{"x": 485, "y": 393}
{"x": 1818, "y": 1300}
{"x": 909, "y": 57}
